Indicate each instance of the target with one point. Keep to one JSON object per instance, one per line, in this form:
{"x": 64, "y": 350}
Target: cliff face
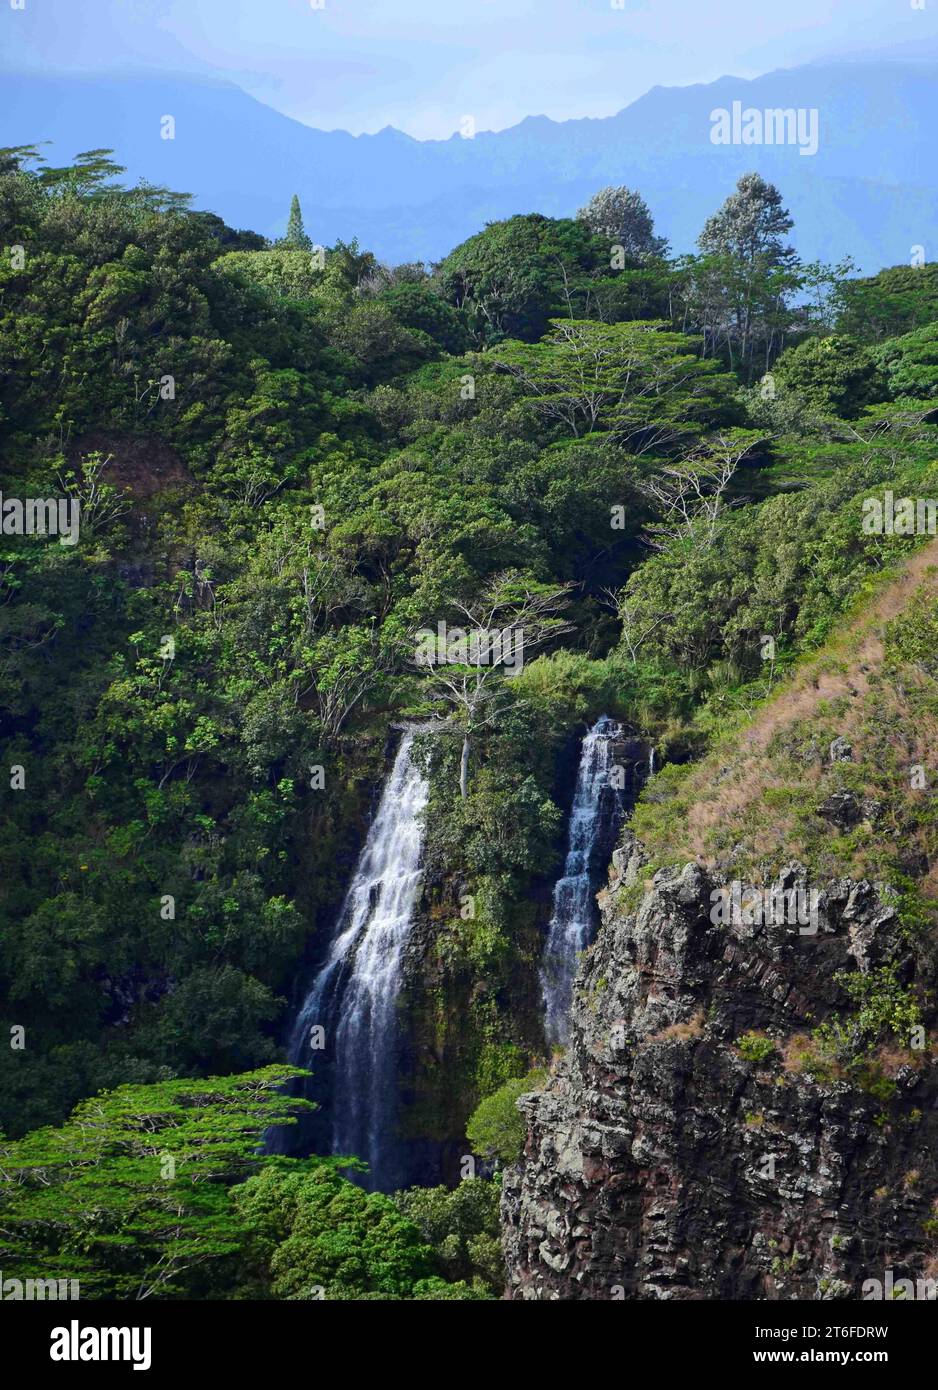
{"x": 661, "y": 1162}
{"x": 469, "y": 1022}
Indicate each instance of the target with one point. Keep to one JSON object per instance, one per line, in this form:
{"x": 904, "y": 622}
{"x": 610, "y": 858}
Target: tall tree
{"x": 750, "y": 226}
{"x": 466, "y": 667}
{"x": 622, "y": 215}
{"x": 742, "y": 286}
{"x": 296, "y": 232}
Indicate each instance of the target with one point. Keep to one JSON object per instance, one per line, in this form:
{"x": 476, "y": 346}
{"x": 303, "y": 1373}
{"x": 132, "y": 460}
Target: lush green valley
{"x": 289, "y": 461}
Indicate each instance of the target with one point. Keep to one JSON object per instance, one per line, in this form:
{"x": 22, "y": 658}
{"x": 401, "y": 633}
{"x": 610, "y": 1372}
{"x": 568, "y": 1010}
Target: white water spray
{"x": 354, "y": 995}
{"x": 594, "y": 817}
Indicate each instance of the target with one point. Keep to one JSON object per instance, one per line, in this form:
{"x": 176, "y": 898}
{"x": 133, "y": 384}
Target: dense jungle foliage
{"x": 288, "y": 460}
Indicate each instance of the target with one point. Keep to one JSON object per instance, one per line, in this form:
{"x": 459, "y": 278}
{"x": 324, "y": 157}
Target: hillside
{"x": 747, "y": 1107}
{"x": 752, "y": 803}
{"x": 384, "y": 594}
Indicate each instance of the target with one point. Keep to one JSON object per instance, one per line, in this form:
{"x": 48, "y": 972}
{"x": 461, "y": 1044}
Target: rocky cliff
{"x": 699, "y": 1138}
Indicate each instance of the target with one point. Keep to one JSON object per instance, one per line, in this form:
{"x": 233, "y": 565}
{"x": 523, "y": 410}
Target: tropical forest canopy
{"x": 289, "y": 459}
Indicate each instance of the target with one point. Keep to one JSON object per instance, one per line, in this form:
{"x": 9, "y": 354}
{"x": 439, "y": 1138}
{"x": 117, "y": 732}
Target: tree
{"x": 296, "y": 232}
{"x": 162, "y": 1191}
{"x": 911, "y": 363}
{"x": 130, "y": 1196}
{"x": 214, "y": 1019}
{"x": 284, "y": 271}
{"x": 741, "y": 287}
{"x": 229, "y": 238}
{"x": 621, "y": 216}
{"x": 14, "y": 158}
{"x": 513, "y": 276}
{"x": 462, "y": 1226}
{"x": 466, "y": 666}
{"x": 893, "y": 302}
{"x": 638, "y": 381}
{"x": 750, "y": 226}
{"x": 313, "y": 1230}
{"x": 690, "y": 495}
{"x": 415, "y": 305}
{"x": 348, "y": 663}
{"x": 90, "y": 175}
{"x": 835, "y": 375}
{"x": 496, "y": 1128}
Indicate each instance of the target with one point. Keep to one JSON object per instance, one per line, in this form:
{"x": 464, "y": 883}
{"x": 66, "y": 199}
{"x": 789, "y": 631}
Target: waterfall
{"x": 597, "y": 810}
{"x": 354, "y": 995}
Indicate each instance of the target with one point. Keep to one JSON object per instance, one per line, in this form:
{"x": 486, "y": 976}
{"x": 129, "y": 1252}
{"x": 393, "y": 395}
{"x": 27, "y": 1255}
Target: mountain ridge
{"x": 869, "y": 192}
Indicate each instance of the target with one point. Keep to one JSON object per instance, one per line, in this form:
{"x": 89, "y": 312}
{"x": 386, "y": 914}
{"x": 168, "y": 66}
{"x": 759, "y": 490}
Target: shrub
{"x": 496, "y": 1128}
{"x": 461, "y": 1225}
{"x": 755, "y": 1047}
{"x": 836, "y": 375}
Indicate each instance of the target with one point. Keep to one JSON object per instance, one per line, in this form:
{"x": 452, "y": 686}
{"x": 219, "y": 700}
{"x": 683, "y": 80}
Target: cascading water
{"x": 597, "y": 810}
{"x": 354, "y": 995}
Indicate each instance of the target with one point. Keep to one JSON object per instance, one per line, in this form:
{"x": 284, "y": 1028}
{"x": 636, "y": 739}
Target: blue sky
{"x": 422, "y": 65}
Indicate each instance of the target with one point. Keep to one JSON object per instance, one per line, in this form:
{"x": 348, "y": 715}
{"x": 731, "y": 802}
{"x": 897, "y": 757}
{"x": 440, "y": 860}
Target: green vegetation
{"x": 884, "y": 1006}
{"x": 296, "y": 232}
{"x": 312, "y": 1235}
{"x": 287, "y": 465}
{"x": 462, "y": 1227}
{"x": 131, "y": 1196}
{"x": 160, "y": 1191}
{"x": 836, "y": 376}
{"x": 496, "y": 1128}
{"x": 755, "y": 1047}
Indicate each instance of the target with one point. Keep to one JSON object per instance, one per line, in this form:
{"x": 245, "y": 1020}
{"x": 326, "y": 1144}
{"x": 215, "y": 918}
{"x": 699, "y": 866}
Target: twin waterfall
{"x": 354, "y": 996}
{"x": 595, "y": 816}
{"x": 346, "y": 1032}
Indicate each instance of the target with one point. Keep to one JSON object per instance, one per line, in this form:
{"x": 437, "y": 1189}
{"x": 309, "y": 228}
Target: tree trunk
{"x": 464, "y": 768}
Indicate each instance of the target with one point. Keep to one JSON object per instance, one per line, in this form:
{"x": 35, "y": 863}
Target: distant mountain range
{"x": 870, "y": 192}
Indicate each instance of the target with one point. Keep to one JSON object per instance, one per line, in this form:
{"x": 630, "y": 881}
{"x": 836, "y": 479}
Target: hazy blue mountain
{"x": 871, "y": 191}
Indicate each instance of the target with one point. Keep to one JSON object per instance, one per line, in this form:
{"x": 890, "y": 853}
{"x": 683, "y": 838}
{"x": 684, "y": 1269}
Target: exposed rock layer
{"x": 660, "y": 1163}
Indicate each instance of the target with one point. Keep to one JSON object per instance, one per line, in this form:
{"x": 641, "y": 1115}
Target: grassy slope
{"x": 751, "y": 803}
